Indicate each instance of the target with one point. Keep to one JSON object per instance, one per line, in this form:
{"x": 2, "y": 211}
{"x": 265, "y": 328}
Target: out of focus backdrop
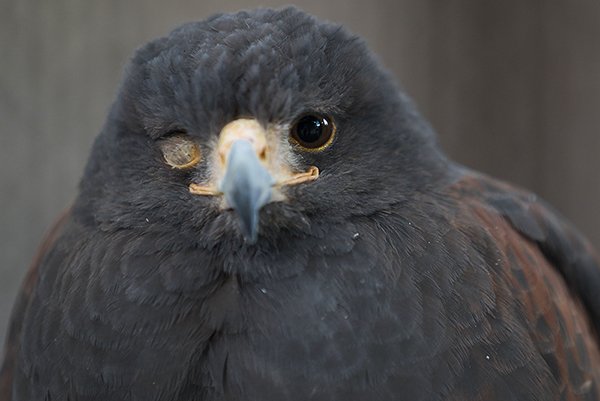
{"x": 512, "y": 88}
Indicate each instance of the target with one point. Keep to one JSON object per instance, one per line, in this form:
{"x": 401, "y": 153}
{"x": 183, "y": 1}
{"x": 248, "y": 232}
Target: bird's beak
{"x": 248, "y": 173}
{"x": 247, "y": 184}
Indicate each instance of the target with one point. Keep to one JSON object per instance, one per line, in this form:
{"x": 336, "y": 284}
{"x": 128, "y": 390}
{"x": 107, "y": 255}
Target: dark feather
{"x": 13, "y": 340}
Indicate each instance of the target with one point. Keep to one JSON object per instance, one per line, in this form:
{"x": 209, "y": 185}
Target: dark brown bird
{"x": 266, "y": 217}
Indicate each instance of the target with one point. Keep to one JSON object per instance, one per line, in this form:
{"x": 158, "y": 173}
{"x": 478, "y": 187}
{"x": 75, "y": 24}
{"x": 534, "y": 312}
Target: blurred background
{"x": 512, "y": 88}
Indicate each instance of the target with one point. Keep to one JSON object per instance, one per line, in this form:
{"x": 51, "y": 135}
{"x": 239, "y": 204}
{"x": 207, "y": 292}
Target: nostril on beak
{"x": 262, "y": 153}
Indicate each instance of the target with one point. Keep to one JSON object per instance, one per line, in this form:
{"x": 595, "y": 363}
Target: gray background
{"x": 512, "y": 87}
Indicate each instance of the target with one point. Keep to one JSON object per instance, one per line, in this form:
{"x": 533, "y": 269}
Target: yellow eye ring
{"x": 313, "y": 132}
{"x": 180, "y": 151}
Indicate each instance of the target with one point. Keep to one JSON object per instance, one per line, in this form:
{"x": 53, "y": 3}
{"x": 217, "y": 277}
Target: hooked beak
{"x": 248, "y": 174}
{"x": 246, "y": 186}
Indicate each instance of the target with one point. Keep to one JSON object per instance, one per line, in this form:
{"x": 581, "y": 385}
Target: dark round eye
{"x": 313, "y": 132}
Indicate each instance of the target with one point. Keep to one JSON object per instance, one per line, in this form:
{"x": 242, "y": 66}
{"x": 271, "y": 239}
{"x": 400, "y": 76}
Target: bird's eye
{"x": 313, "y": 132}
{"x": 180, "y": 151}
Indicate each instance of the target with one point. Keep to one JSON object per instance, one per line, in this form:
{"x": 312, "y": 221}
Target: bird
{"x": 265, "y": 215}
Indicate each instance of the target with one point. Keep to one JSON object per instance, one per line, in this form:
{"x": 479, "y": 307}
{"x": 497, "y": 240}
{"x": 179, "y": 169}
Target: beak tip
{"x": 251, "y": 239}
{"x": 249, "y": 229}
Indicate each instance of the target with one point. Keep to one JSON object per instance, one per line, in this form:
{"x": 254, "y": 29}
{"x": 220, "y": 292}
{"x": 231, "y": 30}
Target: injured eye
{"x": 180, "y": 151}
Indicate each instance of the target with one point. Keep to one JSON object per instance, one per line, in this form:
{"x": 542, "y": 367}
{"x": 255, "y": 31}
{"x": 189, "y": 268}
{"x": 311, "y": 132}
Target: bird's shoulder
{"x": 545, "y": 276}
{"x": 12, "y": 345}
{"x": 534, "y": 224}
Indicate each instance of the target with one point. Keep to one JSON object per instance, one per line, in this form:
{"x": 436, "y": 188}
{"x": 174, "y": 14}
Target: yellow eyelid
{"x": 180, "y": 151}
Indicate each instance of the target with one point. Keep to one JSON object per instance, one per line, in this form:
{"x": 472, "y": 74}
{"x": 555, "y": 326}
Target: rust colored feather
{"x": 12, "y": 342}
{"x": 559, "y": 322}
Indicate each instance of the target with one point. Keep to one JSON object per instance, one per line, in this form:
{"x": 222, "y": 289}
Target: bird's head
{"x": 250, "y": 124}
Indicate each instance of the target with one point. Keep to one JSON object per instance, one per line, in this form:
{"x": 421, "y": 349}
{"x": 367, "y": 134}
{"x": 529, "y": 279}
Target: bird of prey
{"x": 265, "y": 216}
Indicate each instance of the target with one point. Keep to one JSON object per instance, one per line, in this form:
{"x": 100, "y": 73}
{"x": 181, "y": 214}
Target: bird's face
{"x": 251, "y": 164}
{"x": 249, "y": 125}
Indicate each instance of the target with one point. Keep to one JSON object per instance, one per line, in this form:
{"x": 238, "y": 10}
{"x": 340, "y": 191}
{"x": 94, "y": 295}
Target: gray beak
{"x": 246, "y": 187}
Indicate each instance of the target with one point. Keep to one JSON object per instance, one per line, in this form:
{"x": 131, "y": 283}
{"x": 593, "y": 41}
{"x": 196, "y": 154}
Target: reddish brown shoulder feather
{"x": 12, "y": 342}
{"x": 553, "y": 273}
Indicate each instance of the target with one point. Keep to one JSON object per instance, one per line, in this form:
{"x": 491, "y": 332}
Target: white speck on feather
{"x": 355, "y": 236}
{"x": 487, "y": 357}
{"x": 263, "y": 290}
{"x": 147, "y": 221}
